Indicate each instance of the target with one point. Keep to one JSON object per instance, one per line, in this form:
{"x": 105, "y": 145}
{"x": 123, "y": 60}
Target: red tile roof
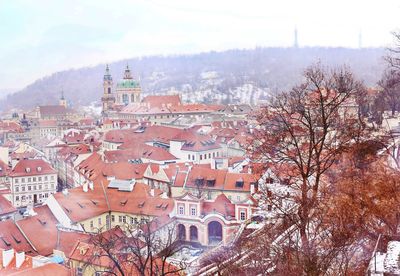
{"x": 6, "y": 207}
{"x": 140, "y": 152}
{"x": 47, "y": 123}
{"x": 11, "y": 237}
{"x": 32, "y": 167}
{"x": 221, "y": 205}
{"x": 53, "y": 110}
{"x": 162, "y": 100}
{"x": 124, "y": 170}
{"x": 80, "y": 205}
{"x": 7, "y": 126}
{"x": 41, "y": 231}
{"x": 49, "y": 269}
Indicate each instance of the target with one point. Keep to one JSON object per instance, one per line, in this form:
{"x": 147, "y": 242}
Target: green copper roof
{"x": 128, "y": 83}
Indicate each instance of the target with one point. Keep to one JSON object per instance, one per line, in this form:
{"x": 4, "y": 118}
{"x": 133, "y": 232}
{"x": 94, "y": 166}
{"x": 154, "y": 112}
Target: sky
{"x": 40, "y": 37}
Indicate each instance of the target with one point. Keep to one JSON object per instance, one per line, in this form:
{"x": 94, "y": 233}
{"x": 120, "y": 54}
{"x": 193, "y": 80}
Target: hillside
{"x": 229, "y": 76}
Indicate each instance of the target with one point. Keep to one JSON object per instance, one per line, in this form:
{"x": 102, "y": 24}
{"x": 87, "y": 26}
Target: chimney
{"x": 252, "y": 188}
{"x": 65, "y": 192}
{"x": 85, "y": 187}
{"x": 152, "y": 192}
{"x": 91, "y": 186}
{"x": 8, "y": 255}
{"x": 19, "y": 259}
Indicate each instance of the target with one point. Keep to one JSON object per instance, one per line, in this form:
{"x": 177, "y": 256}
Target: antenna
{"x": 296, "y": 42}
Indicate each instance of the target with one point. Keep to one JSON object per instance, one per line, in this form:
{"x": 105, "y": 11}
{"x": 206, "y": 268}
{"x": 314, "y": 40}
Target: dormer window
{"x": 239, "y": 183}
{"x": 27, "y": 169}
{"x": 211, "y": 182}
{"x": 199, "y": 181}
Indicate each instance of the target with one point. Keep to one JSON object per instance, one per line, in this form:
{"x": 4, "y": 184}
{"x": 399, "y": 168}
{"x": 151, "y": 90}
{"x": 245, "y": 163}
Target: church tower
{"x": 62, "y": 101}
{"x": 108, "y": 97}
{"x": 128, "y": 90}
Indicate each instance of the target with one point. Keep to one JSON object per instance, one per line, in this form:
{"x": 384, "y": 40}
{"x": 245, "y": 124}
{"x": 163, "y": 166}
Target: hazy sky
{"x": 39, "y": 37}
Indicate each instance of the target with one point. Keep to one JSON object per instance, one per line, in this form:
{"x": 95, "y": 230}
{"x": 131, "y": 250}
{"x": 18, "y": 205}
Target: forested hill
{"x": 228, "y": 76}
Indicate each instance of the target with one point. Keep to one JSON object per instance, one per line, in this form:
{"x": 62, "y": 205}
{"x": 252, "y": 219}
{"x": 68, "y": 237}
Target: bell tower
{"x": 62, "y": 100}
{"x": 108, "y": 96}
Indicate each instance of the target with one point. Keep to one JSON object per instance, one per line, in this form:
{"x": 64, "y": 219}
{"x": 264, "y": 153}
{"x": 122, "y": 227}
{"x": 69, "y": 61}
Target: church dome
{"x": 128, "y": 83}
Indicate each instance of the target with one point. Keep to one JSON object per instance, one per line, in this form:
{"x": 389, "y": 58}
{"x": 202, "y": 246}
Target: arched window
{"x": 181, "y": 232}
{"x": 193, "y": 233}
{"x": 214, "y": 233}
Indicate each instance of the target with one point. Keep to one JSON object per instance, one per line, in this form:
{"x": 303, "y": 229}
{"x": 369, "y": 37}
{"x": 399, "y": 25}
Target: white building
{"x": 32, "y": 181}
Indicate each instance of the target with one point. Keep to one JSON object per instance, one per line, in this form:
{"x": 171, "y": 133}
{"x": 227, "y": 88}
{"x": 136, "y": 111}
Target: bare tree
{"x": 303, "y": 134}
{"x": 393, "y": 58}
{"x": 142, "y": 248}
{"x": 390, "y": 85}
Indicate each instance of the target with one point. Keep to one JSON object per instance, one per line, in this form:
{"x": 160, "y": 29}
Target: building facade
{"x": 32, "y": 182}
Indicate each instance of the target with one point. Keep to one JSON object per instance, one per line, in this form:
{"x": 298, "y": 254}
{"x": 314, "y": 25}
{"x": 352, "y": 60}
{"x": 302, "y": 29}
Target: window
{"x": 16, "y": 188}
{"x": 124, "y": 219}
{"x": 201, "y": 157}
{"x": 17, "y": 198}
{"x": 132, "y": 220}
{"x": 29, "y": 188}
{"x": 34, "y": 179}
{"x": 99, "y": 220}
{"x": 16, "y": 181}
{"x": 45, "y": 178}
{"x": 193, "y": 210}
{"x": 79, "y": 271}
{"x": 242, "y": 215}
{"x": 23, "y": 188}
{"x": 52, "y": 177}
{"x": 209, "y": 155}
{"x": 40, "y": 187}
{"x": 23, "y": 180}
{"x": 120, "y": 219}
{"x": 34, "y": 187}
{"x": 112, "y": 218}
{"x": 239, "y": 183}
{"x": 39, "y": 178}
{"x": 46, "y": 186}
{"x": 181, "y": 209}
{"x": 188, "y": 156}
{"x": 211, "y": 182}
{"x": 29, "y": 179}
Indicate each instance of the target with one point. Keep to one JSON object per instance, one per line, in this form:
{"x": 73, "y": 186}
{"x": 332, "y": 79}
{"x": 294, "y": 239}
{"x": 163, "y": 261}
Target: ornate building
{"x": 128, "y": 90}
{"x": 108, "y": 97}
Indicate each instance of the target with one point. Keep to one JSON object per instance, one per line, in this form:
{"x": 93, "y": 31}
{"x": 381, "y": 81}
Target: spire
{"x": 127, "y": 74}
{"x": 107, "y": 75}
{"x": 62, "y": 94}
